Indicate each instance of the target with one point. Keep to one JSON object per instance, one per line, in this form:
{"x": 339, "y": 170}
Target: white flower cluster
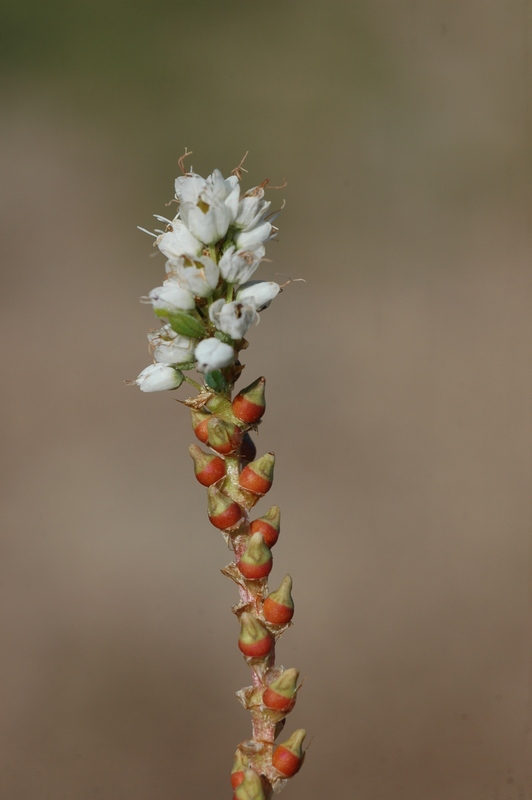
{"x": 214, "y": 245}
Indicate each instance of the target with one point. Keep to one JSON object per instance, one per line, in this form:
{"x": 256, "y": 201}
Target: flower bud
{"x": 257, "y": 477}
{"x": 288, "y": 756}
{"x": 200, "y": 420}
{"x": 248, "y": 451}
{"x": 250, "y": 788}
{"x": 278, "y": 608}
{"x": 224, "y": 437}
{"x": 171, "y": 297}
{"x": 213, "y": 354}
{"x": 249, "y": 405}
{"x": 239, "y": 766}
{"x": 255, "y": 640}
{"x": 280, "y": 695}
{"x": 256, "y": 561}
{"x": 159, "y": 378}
{"x": 223, "y": 512}
{"x": 208, "y": 469}
{"x": 269, "y": 525}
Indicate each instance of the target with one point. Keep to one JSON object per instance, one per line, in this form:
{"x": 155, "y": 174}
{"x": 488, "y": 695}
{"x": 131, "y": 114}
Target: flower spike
{"x": 206, "y": 304}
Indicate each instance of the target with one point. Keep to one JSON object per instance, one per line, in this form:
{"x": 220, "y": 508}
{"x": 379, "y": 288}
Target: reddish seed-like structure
{"x": 269, "y": 534}
{"x": 237, "y": 778}
{"x": 286, "y": 762}
{"x": 200, "y": 421}
{"x": 212, "y": 473}
{"x": 208, "y": 469}
{"x": 257, "y": 649}
{"x": 257, "y": 477}
{"x": 228, "y": 518}
{"x": 254, "y": 572}
{"x": 249, "y": 404}
{"x": 254, "y": 483}
{"x": 255, "y": 640}
{"x": 276, "y": 701}
{"x": 277, "y": 613}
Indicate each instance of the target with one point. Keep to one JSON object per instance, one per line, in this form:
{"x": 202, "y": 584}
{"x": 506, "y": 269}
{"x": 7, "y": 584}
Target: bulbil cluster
{"x": 234, "y": 486}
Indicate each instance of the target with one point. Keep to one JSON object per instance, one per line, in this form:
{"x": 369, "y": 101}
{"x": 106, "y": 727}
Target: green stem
{"x": 194, "y": 383}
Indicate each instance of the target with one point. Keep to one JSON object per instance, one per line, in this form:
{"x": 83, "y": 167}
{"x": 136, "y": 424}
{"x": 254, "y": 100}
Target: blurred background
{"x": 398, "y": 395}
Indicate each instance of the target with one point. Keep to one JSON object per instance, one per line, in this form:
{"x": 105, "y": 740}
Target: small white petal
{"x": 213, "y": 354}
{"x": 260, "y": 233}
{"x": 260, "y": 293}
{"x": 189, "y": 187}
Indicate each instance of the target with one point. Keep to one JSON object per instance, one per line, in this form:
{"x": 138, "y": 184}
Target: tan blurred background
{"x": 398, "y": 385}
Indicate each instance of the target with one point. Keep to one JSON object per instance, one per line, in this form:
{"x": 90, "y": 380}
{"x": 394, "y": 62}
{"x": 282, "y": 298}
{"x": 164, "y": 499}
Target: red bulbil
{"x": 249, "y": 404}
{"x": 269, "y": 533}
{"x": 288, "y": 756}
{"x": 286, "y": 762}
{"x": 254, "y": 572}
{"x": 227, "y": 518}
{"x": 276, "y": 701}
{"x": 257, "y": 649}
{"x": 200, "y": 421}
{"x": 255, "y": 641}
{"x": 276, "y": 613}
{"x": 212, "y": 473}
{"x": 237, "y": 778}
{"x": 254, "y": 483}
{"x": 257, "y": 477}
{"x": 208, "y": 469}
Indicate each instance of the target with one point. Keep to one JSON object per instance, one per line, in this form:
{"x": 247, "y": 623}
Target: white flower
{"x": 208, "y": 207}
{"x": 213, "y": 354}
{"x": 253, "y": 236}
{"x": 189, "y": 187}
{"x": 260, "y": 293}
{"x": 171, "y": 297}
{"x": 199, "y": 276}
{"x": 234, "y": 318}
{"x": 158, "y": 378}
{"x": 169, "y": 347}
{"x": 177, "y": 241}
{"x": 237, "y": 266}
{"x": 251, "y": 209}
